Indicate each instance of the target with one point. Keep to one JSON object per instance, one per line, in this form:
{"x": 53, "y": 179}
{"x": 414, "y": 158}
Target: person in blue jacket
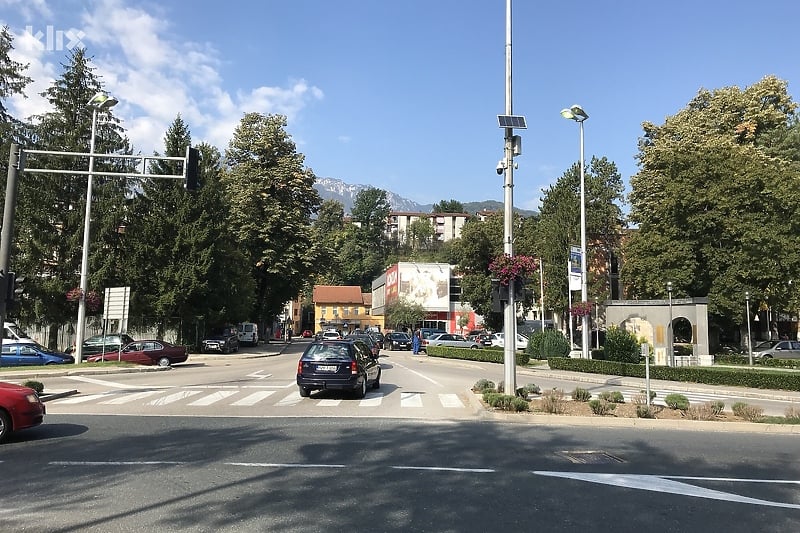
{"x": 415, "y": 343}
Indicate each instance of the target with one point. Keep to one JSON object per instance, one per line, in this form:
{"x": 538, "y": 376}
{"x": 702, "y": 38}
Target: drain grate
{"x": 591, "y": 457}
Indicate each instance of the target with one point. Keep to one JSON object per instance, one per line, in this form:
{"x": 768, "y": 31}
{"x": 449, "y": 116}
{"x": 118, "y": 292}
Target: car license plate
{"x": 327, "y": 368}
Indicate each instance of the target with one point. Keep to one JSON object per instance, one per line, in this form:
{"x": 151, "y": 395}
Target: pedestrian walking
{"x": 415, "y": 342}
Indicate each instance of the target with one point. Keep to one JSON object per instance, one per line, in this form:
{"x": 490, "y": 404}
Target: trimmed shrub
{"x": 38, "y": 386}
{"x": 750, "y": 413}
{"x": 483, "y": 385}
{"x": 553, "y": 401}
{"x": 792, "y": 414}
{"x": 601, "y": 407}
{"x": 488, "y": 355}
{"x": 644, "y": 411}
{"x": 581, "y": 395}
{"x": 677, "y": 401}
{"x": 546, "y": 344}
{"x": 717, "y": 406}
{"x": 613, "y": 396}
{"x": 621, "y": 346}
{"x": 530, "y": 388}
{"x": 701, "y": 412}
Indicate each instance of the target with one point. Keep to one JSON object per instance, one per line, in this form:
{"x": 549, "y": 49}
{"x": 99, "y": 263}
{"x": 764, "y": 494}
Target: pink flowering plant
{"x": 581, "y": 309}
{"x": 507, "y": 268}
{"x": 93, "y": 300}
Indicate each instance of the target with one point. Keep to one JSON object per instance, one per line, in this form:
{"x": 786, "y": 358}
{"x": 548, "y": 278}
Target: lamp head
{"x": 575, "y": 113}
{"x": 102, "y": 101}
{"x": 669, "y": 286}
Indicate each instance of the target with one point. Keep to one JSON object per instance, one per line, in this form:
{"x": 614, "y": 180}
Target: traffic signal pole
{"x": 15, "y": 161}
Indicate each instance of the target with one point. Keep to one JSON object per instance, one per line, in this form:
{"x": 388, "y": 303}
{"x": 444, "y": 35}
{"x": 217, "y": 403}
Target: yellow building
{"x": 343, "y": 308}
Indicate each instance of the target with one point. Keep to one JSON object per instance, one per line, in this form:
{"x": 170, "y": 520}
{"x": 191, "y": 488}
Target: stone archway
{"x": 657, "y": 313}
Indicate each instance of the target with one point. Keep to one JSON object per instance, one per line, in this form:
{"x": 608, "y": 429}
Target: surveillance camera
{"x": 501, "y": 166}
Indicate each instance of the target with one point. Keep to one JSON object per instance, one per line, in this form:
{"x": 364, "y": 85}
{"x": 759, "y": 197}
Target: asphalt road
{"x": 175, "y": 473}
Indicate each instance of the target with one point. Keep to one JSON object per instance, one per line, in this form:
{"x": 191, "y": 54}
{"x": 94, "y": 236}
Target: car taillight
{"x": 299, "y": 367}
{"x": 353, "y": 367}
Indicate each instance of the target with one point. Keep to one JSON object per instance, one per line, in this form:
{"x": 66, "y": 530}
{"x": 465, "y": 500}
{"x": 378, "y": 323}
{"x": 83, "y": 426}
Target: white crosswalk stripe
{"x": 127, "y": 398}
{"x": 254, "y": 398}
{"x": 174, "y": 397}
{"x": 241, "y": 397}
{"x": 410, "y": 399}
{"x": 450, "y": 401}
{"x": 214, "y": 398}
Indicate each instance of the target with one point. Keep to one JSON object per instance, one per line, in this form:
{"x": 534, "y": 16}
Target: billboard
{"x": 427, "y": 284}
{"x": 574, "y": 268}
{"x": 392, "y": 284}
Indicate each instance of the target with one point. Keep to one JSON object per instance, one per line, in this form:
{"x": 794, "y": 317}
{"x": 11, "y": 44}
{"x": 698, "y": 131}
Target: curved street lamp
{"x": 577, "y": 114}
{"x": 98, "y": 102}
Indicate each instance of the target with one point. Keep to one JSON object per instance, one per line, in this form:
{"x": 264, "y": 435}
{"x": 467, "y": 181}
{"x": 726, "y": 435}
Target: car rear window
{"x": 327, "y": 352}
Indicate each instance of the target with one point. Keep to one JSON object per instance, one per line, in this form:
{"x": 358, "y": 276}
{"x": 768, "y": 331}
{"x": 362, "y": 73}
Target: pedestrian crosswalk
{"x": 245, "y": 397}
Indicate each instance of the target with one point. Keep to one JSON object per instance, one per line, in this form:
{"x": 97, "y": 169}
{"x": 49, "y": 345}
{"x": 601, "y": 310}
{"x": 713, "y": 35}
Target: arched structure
{"x": 654, "y": 315}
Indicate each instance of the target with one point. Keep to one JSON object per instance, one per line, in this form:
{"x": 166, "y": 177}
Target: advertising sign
{"x": 574, "y": 268}
{"x": 427, "y": 284}
{"x": 392, "y": 284}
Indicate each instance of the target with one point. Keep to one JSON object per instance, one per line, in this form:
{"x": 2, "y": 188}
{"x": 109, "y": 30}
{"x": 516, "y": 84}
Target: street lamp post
{"x": 670, "y": 346}
{"x": 749, "y": 340}
{"x": 596, "y": 324}
{"x": 577, "y": 114}
{"x": 98, "y": 102}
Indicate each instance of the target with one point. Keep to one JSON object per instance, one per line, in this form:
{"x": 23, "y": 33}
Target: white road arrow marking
{"x": 258, "y": 375}
{"x": 660, "y": 484}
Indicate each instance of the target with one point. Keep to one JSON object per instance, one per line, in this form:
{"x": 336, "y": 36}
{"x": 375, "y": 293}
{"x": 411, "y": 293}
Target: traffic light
{"x": 14, "y": 289}
{"x": 191, "y": 171}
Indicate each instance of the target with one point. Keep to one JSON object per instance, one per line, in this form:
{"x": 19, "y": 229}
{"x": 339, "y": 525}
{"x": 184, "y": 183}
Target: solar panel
{"x": 512, "y": 121}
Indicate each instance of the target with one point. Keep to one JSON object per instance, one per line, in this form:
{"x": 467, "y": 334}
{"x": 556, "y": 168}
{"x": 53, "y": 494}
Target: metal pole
{"x": 541, "y": 290}
{"x": 584, "y": 280}
{"x": 670, "y": 343}
{"x": 597, "y": 324}
{"x": 84, "y": 285}
{"x": 510, "y": 316}
{"x": 571, "y": 334}
{"x": 7, "y": 235}
{"x": 749, "y": 341}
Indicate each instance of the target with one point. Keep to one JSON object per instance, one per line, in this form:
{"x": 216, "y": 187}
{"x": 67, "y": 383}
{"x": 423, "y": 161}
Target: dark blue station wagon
{"x": 346, "y": 364}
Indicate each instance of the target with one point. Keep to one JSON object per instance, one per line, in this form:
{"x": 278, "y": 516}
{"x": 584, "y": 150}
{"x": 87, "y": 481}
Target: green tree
{"x": 12, "y": 82}
{"x": 401, "y": 313}
{"x": 51, "y": 207}
{"x": 371, "y": 210}
{"x": 182, "y": 261}
{"x": 420, "y": 234}
{"x": 272, "y": 198}
{"x": 329, "y": 235}
{"x": 715, "y": 201}
{"x": 558, "y": 228}
{"x": 448, "y": 206}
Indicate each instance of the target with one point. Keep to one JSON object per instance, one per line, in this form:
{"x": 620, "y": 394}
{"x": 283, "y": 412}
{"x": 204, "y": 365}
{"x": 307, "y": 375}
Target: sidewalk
{"x": 677, "y": 386}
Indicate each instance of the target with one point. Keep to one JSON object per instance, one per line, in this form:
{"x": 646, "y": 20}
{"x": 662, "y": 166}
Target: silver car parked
{"x": 778, "y": 349}
{"x": 449, "y": 339}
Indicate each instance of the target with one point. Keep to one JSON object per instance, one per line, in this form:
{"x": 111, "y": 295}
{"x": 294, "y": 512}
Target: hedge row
{"x": 756, "y": 378}
{"x": 487, "y": 355}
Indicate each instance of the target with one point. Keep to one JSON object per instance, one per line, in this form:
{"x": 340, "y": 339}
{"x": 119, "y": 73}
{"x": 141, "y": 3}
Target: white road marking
{"x": 258, "y": 375}
{"x": 445, "y": 469}
{"x": 661, "y": 484}
{"x": 114, "y": 463}
{"x": 410, "y": 399}
{"x": 82, "y": 399}
{"x": 215, "y": 397}
{"x": 329, "y": 403}
{"x": 113, "y": 384}
{"x": 254, "y": 398}
{"x": 371, "y": 400}
{"x": 125, "y": 398}
{"x": 423, "y": 376}
{"x": 450, "y": 401}
{"x": 285, "y": 465}
{"x": 291, "y": 399}
{"x": 174, "y": 397}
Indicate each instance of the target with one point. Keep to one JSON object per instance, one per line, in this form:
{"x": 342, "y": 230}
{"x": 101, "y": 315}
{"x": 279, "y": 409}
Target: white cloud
{"x": 153, "y": 73}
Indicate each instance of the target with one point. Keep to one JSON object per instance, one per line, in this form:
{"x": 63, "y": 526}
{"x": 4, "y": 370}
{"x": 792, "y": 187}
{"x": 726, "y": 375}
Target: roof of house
{"x": 333, "y": 294}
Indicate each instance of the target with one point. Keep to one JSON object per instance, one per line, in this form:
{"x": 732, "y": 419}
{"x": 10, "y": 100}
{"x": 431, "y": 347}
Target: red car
{"x": 307, "y": 334}
{"x": 20, "y": 408}
{"x": 146, "y": 352}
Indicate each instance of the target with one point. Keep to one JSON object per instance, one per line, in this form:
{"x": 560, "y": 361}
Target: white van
{"x": 248, "y": 333}
{"x": 12, "y": 333}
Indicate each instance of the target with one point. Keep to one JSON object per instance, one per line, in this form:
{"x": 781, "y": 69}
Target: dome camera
{"x": 501, "y": 166}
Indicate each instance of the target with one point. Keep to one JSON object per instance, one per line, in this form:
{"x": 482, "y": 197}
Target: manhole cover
{"x": 591, "y": 457}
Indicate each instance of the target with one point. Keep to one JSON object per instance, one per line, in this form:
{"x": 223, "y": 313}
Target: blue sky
{"x": 404, "y": 95}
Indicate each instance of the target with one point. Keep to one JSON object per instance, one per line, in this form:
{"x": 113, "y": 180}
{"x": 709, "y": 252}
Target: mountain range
{"x": 345, "y": 193}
